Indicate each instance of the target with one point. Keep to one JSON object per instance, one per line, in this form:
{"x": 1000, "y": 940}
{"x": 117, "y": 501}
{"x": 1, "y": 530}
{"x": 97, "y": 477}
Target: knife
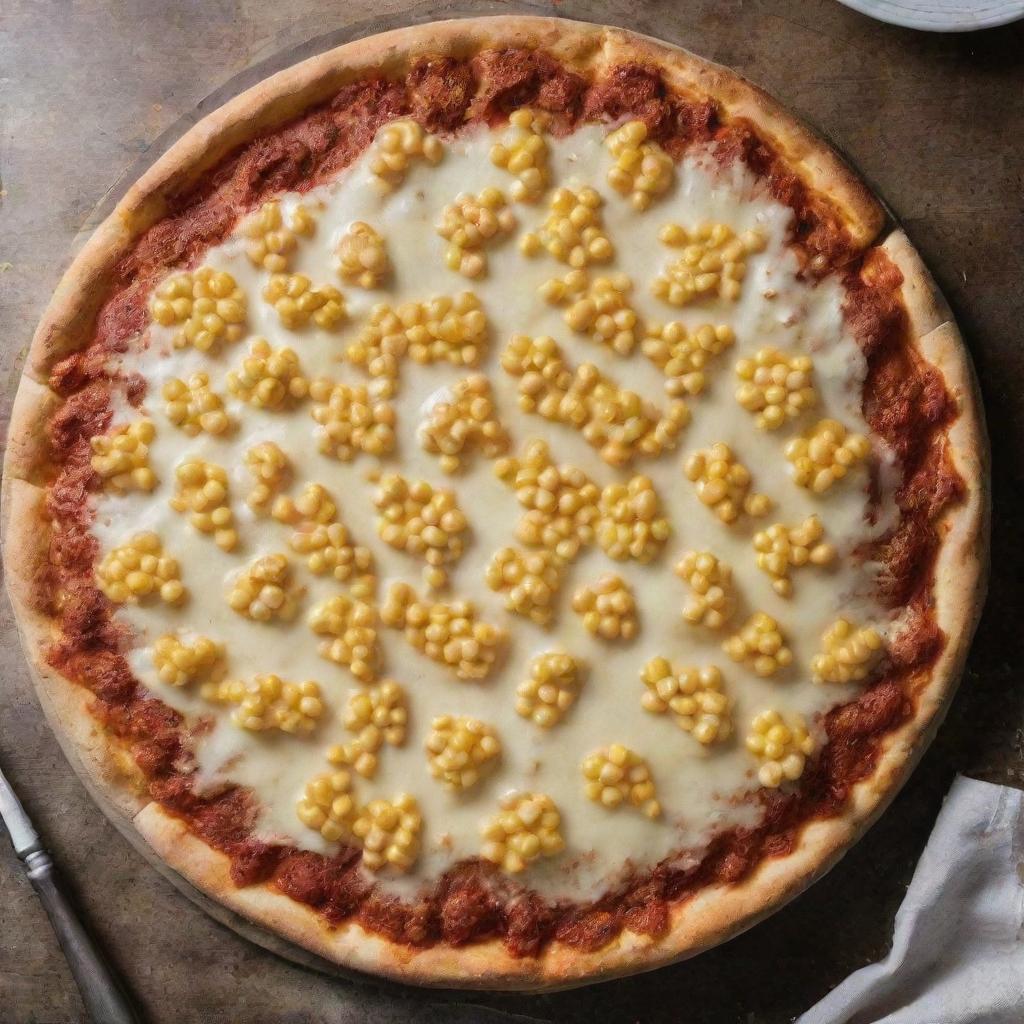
{"x": 103, "y": 996}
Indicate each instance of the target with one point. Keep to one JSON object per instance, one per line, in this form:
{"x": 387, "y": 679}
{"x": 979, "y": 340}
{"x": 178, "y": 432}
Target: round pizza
{"x": 498, "y": 504}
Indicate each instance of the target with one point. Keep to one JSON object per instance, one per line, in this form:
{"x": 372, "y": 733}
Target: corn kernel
{"x": 121, "y": 458}
{"x": 607, "y": 608}
{"x": 351, "y": 421}
{"x": 363, "y": 257}
{"x": 642, "y": 170}
{"x": 139, "y": 569}
{"x": 780, "y": 549}
{"x": 271, "y": 242}
{"x": 723, "y": 484}
{"x": 598, "y": 308}
{"x": 201, "y": 493}
{"x": 524, "y": 153}
{"x": 264, "y": 590}
{"x": 390, "y": 833}
{"x": 573, "y": 231}
{"x": 349, "y": 628}
{"x": 760, "y": 645}
{"x": 775, "y": 386}
{"x": 616, "y": 775}
{"x": 298, "y": 301}
{"x": 397, "y": 145}
{"x": 206, "y": 305}
{"x": 269, "y": 379}
{"x": 271, "y": 469}
{"x": 631, "y": 523}
{"x": 269, "y": 702}
{"x": 179, "y": 663}
{"x": 526, "y": 827}
{"x": 327, "y": 805}
{"x": 712, "y": 594}
{"x": 848, "y": 654}
{"x": 555, "y": 681}
{"x": 450, "y": 634}
{"x": 460, "y": 750}
{"x": 465, "y": 422}
{"x": 194, "y": 407}
{"x": 825, "y": 454}
{"x": 683, "y": 356}
{"x": 695, "y": 697}
{"x": 782, "y": 747}
{"x": 530, "y": 581}
{"x": 713, "y": 263}
{"x": 560, "y": 501}
{"x": 469, "y": 225}
{"x": 375, "y": 716}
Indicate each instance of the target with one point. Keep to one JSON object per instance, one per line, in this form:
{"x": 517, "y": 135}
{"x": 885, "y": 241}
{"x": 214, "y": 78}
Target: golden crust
{"x": 715, "y": 913}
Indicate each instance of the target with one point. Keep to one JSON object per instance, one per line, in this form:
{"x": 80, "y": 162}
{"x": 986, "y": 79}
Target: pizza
{"x": 498, "y": 504}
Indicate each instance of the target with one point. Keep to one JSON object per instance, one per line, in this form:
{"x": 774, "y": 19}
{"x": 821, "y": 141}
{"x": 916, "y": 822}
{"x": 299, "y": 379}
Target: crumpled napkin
{"x": 958, "y": 944}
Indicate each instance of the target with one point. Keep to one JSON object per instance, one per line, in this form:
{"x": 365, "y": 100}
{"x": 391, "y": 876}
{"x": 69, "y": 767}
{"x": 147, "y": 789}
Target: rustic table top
{"x": 935, "y": 122}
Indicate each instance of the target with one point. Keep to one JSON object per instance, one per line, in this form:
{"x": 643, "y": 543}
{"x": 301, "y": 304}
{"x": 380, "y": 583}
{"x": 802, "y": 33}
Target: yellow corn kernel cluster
{"x": 450, "y": 329}
{"x": 530, "y": 581}
{"x": 607, "y": 607}
{"x": 683, "y": 356}
{"x": 362, "y": 256}
{"x": 139, "y": 569}
{"x": 775, "y": 386}
{"x": 527, "y": 826}
{"x": 194, "y": 407}
{"x": 351, "y": 420}
{"x": 642, "y": 169}
{"x": 325, "y": 542}
{"x": 471, "y": 223}
{"x": 619, "y": 423}
{"x": 424, "y": 521}
{"x": 616, "y": 775}
{"x": 780, "y": 549}
{"x": 713, "y": 262}
{"x": 349, "y": 628}
{"x": 389, "y": 831}
{"x": 450, "y": 634}
{"x": 328, "y": 806}
{"x": 297, "y": 301}
{"x": 848, "y": 654}
{"x": 598, "y": 308}
{"x": 460, "y": 750}
{"x": 201, "y": 492}
{"x": 695, "y": 696}
{"x": 556, "y": 679}
{"x": 207, "y": 303}
{"x": 466, "y": 421}
{"x": 271, "y": 241}
{"x": 712, "y": 596}
{"x": 723, "y": 484}
{"x": 269, "y": 378}
{"x": 269, "y": 702}
{"x": 271, "y": 470}
{"x": 573, "y": 231}
{"x": 374, "y": 716}
{"x": 265, "y": 591}
{"x": 121, "y": 458}
{"x": 560, "y": 501}
{"x": 631, "y": 524}
{"x": 179, "y": 663}
{"x": 397, "y": 145}
{"x": 825, "y": 454}
{"x": 782, "y": 747}
{"x": 760, "y": 645}
{"x": 524, "y": 153}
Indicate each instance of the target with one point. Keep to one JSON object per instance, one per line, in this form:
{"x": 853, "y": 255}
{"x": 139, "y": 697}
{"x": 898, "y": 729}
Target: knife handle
{"x": 104, "y": 1000}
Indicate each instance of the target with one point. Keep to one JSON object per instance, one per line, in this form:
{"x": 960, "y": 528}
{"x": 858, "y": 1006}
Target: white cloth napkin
{"x": 958, "y": 944}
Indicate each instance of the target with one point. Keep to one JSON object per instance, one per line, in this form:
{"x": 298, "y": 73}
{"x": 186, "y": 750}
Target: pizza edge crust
{"x": 105, "y": 765}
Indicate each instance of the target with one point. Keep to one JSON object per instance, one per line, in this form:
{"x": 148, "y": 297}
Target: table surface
{"x": 935, "y": 122}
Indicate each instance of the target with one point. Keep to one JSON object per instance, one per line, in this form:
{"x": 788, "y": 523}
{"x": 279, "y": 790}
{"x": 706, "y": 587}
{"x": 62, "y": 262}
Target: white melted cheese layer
{"x": 700, "y": 788}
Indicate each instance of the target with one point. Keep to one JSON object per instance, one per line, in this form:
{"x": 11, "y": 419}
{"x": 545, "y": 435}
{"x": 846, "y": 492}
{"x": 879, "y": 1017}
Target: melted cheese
{"x": 697, "y": 786}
